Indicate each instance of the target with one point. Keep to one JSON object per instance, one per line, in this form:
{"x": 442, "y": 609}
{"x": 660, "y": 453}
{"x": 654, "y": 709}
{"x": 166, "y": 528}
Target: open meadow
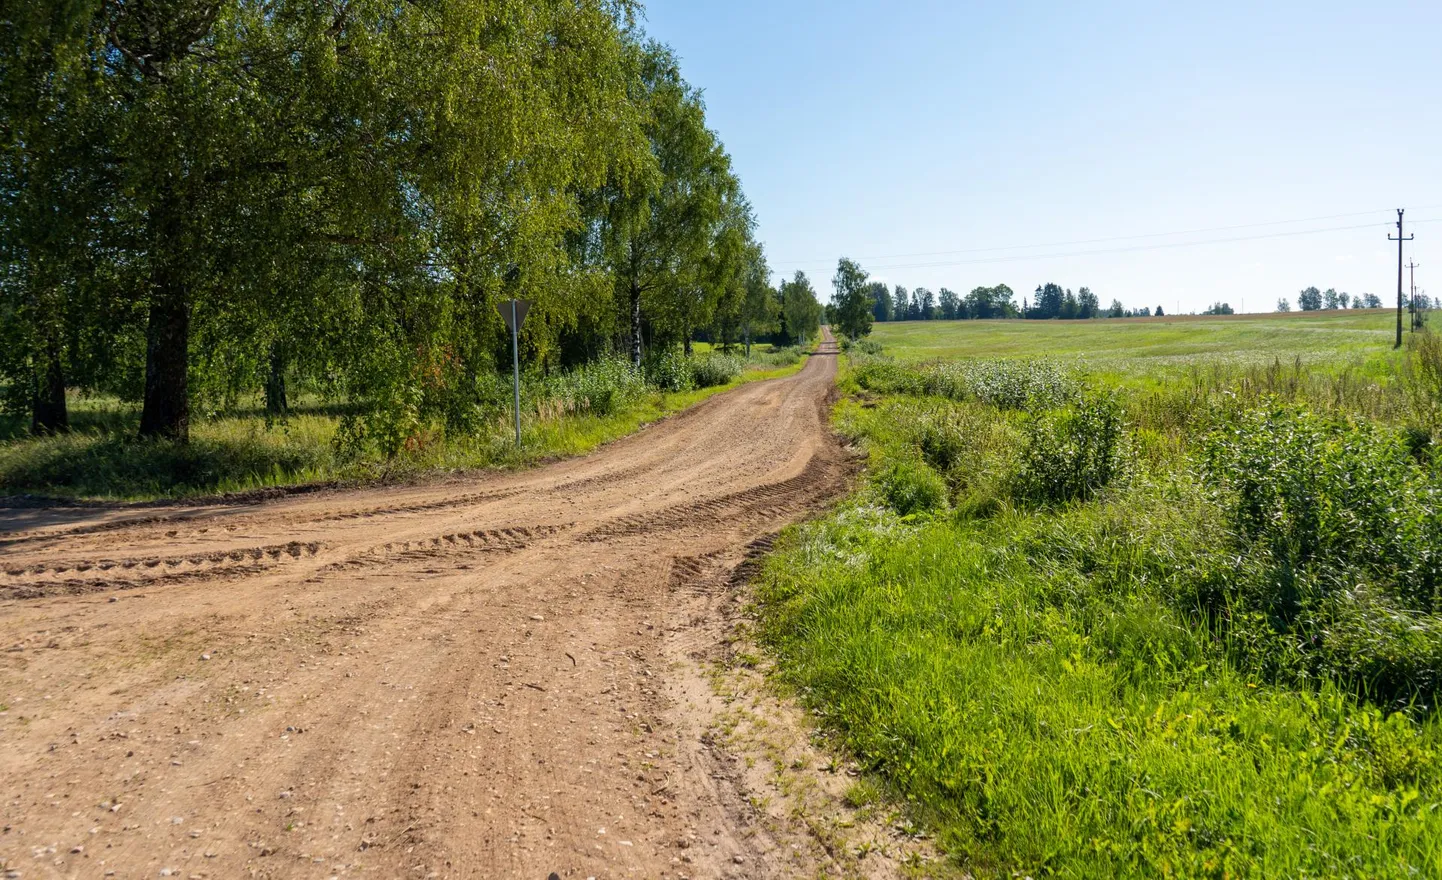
{"x": 1135, "y": 598}
{"x": 1139, "y": 350}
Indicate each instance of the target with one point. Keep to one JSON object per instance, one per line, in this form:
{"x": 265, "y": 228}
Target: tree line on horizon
{"x": 1313, "y": 300}
{"x": 204, "y": 200}
{"x": 858, "y": 302}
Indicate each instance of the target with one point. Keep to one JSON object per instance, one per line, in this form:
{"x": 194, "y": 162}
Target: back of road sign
{"x": 522, "y": 306}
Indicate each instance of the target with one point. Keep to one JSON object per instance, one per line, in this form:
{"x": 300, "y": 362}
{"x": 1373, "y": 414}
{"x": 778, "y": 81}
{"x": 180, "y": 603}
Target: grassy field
{"x": 242, "y": 450}
{"x": 1142, "y": 350}
{"x": 1118, "y": 614}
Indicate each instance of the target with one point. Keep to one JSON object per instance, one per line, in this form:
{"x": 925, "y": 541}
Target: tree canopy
{"x": 201, "y": 198}
{"x": 852, "y": 299}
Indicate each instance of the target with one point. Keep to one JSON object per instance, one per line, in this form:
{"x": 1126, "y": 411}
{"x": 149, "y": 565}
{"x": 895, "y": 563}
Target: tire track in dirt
{"x": 448, "y": 680}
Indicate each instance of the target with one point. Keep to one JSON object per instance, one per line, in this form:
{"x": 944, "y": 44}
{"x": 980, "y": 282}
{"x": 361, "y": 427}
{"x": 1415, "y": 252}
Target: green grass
{"x": 1072, "y": 670}
{"x": 1044, "y": 726}
{"x": 1141, "y": 350}
{"x": 241, "y": 451}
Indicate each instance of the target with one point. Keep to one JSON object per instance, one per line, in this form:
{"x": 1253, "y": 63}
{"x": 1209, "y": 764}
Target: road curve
{"x": 477, "y": 679}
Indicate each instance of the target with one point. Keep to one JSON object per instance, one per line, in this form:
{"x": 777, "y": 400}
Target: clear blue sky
{"x": 877, "y": 129}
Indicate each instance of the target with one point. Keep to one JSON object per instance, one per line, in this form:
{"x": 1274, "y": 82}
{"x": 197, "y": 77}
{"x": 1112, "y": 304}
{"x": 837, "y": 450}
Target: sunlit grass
{"x": 1150, "y": 350}
{"x": 1095, "y": 688}
{"x": 100, "y": 459}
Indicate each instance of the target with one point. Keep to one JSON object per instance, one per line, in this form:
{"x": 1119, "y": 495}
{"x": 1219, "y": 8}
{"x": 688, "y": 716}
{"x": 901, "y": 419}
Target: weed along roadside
{"x": 568, "y": 413}
{"x": 1087, "y": 625}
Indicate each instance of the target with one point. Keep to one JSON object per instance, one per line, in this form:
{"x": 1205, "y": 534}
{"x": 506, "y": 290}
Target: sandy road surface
{"x": 477, "y": 679}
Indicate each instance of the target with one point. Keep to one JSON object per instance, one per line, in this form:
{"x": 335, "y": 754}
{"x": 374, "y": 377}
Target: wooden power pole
{"x": 1399, "y": 239}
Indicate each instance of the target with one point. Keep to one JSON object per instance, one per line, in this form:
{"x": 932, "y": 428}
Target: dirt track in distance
{"x": 481, "y": 678}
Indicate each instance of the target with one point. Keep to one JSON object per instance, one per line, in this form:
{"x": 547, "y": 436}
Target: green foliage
{"x": 225, "y": 456}
{"x": 852, "y": 300}
{"x": 1422, "y": 375}
{"x": 669, "y": 370}
{"x": 335, "y": 199}
{"x": 885, "y": 376}
{"x": 910, "y": 486}
{"x": 779, "y": 357}
{"x": 1073, "y": 452}
{"x": 715, "y": 369}
{"x": 1024, "y": 683}
{"x": 1021, "y": 385}
{"x": 1341, "y": 524}
{"x": 602, "y": 387}
{"x": 1224, "y": 665}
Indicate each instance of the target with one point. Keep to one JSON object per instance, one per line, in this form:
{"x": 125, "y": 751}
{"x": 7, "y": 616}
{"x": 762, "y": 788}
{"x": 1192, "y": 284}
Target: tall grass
{"x": 1082, "y": 639}
{"x": 562, "y": 414}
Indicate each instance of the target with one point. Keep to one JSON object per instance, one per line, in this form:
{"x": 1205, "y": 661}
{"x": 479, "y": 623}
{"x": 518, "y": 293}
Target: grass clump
{"x": 910, "y": 487}
{"x": 1340, "y": 527}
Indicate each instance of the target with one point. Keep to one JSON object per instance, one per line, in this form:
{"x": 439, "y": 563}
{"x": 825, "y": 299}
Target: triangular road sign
{"x": 522, "y": 306}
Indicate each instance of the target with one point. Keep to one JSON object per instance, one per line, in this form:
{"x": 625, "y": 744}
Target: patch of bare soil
{"x": 504, "y": 678}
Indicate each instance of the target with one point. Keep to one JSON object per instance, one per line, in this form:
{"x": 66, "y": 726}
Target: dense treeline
{"x": 920, "y": 304}
{"x": 885, "y": 303}
{"x": 204, "y": 200}
{"x": 856, "y": 293}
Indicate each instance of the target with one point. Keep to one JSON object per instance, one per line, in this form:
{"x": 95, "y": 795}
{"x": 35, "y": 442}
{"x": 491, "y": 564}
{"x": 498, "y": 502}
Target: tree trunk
{"x": 748, "y": 342}
{"x": 166, "y": 411}
{"x": 275, "y": 399}
{"x": 635, "y": 324}
{"x": 48, "y": 414}
{"x": 686, "y": 345}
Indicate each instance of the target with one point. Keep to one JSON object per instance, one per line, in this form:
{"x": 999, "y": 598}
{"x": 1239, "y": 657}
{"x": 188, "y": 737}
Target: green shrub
{"x": 1313, "y": 491}
{"x": 600, "y": 388}
{"x": 869, "y": 346}
{"x": 1072, "y": 453}
{"x": 1341, "y": 530}
{"x": 715, "y": 369}
{"x": 668, "y": 370}
{"x": 911, "y": 487}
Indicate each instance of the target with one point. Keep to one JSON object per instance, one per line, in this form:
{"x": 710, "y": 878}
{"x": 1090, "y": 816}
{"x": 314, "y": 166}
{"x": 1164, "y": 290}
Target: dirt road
{"x": 475, "y": 679}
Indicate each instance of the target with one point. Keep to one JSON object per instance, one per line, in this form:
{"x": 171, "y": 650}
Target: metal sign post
{"x": 513, "y": 312}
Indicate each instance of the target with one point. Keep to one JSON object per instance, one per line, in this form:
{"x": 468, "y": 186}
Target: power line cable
{"x": 1111, "y": 238}
{"x": 1130, "y": 249}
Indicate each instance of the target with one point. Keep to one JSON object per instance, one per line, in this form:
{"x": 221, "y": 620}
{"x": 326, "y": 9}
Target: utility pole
{"x": 1399, "y": 239}
{"x": 1412, "y": 268}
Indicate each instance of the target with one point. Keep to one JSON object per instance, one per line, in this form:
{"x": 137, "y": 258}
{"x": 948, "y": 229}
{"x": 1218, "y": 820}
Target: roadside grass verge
{"x": 101, "y": 460}
{"x": 1046, "y": 724}
{"x": 1078, "y": 643}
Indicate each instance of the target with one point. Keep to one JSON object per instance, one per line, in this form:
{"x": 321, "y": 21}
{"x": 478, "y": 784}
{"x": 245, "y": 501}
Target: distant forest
{"x": 1052, "y": 301}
